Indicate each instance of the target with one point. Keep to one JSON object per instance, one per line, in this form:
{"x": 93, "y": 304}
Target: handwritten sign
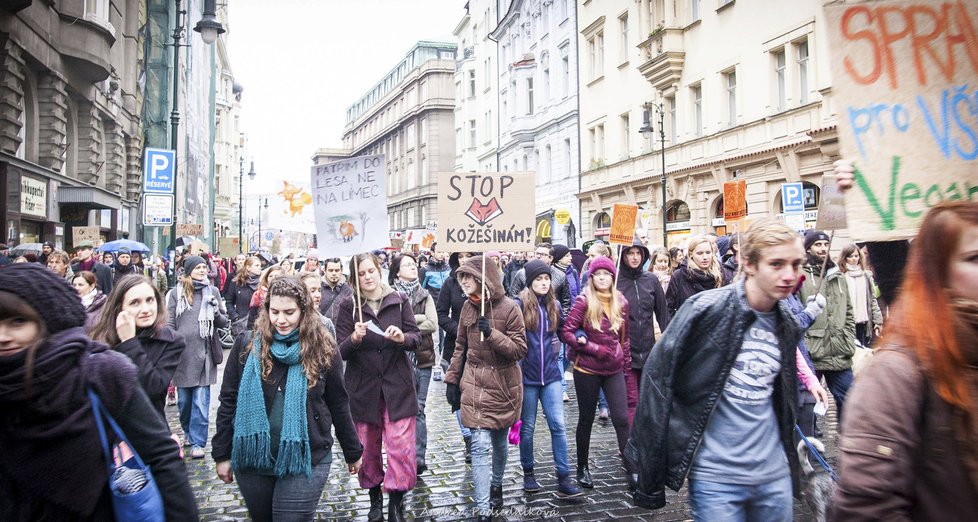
{"x": 832, "y": 207}
{"x": 734, "y": 200}
{"x": 905, "y": 79}
{"x": 93, "y": 234}
{"x": 189, "y": 229}
{"x": 486, "y": 211}
{"x": 623, "y": 221}
{"x": 350, "y": 201}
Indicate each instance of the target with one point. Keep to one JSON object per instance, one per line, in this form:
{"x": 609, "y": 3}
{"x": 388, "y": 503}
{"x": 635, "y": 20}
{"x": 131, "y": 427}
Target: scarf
{"x": 88, "y": 264}
{"x": 258, "y": 298}
{"x": 700, "y": 280}
{"x": 605, "y": 299}
{"x": 408, "y": 287}
{"x": 858, "y": 294}
{"x": 252, "y": 441}
{"x": 89, "y": 298}
{"x": 253, "y": 281}
{"x": 205, "y": 318}
{"x": 966, "y": 325}
{"x": 50, "y": 431}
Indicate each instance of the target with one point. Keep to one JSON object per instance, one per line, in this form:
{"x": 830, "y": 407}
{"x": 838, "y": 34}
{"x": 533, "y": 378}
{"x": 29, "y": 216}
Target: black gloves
{"x": 454, "y": 396}
{"x": 484, "y": 326}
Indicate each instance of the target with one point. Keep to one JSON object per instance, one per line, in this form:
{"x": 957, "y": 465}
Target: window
{"x": 694, "y": 10}
{"x": 565, "y": 65}
{"x": 779, "y": 66}
{"x": 459, "y": 145}
{"x": 472, "y": 138}
{"x": 801, "y": 51}
{"x": 595, "y": 46}
{"x": 412, "y": 174}
{"x": 529, "y": 95}
{"x": 411, "y": 137}
{"x": 423, "y": 167}
{"x": 547, "y": 164}
{"x": 597, "y": 145}
{"x": 488, "y": 74}
{"x": 545, "y": 18}
{"x": 671, "y": 111}
{"x": 458, "y": 90}
{"x": 696, "y": 93}
{"x": 626, "y": 133}
{"x": 546, "y": 84}
{"x": 538, "y": 165}
{"x": 502, "y": 108}
{"x": 731, "y": 81}
{"x": 471, "y": 84}
{"x": 623, "y": 50}
{"x": 97, "y": 10}
{"x": 563, "y": 10}
{"x": 567, "y": 157}
{"x": 424, "y": 132}
{"x": 488, "y": 124}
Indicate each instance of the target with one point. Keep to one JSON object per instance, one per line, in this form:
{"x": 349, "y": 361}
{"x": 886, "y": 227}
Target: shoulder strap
{"x": 99, "y": 410}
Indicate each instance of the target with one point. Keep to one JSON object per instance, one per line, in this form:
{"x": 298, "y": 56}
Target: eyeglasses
{"x": 542, "y": 254}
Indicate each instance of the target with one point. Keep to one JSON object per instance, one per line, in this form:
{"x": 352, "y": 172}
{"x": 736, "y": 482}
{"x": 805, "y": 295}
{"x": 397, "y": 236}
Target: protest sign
{"x": 93, "y": 234}
{"x": 189, "y": 229}
{"x": 486, "y": 211}
{"x": 623, "y": 221}
{"x": 734, "y": 201}
{"x": 905, "y": 81}
{"x": 419, "y": 236}
{"x": 291, "y": 208}
{"x": 350, "y": 201}
{"x": 832, "y": 207}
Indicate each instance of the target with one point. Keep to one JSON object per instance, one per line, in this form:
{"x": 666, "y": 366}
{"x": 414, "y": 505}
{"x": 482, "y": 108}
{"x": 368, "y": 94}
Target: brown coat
{"x": 492, "y": 383}
{"x": 900, "y": 457}
{"x": 378, "y": 368}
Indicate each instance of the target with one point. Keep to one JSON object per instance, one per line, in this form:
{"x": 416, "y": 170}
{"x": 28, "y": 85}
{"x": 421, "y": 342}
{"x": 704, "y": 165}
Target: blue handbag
{"x": 135, "y": 497}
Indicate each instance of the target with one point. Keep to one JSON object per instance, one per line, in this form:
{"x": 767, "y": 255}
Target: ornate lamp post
{"x": 647, "y": 133}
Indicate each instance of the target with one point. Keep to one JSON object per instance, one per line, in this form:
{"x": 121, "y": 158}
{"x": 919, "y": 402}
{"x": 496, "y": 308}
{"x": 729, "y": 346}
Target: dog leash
{"x": 818, "y": 456}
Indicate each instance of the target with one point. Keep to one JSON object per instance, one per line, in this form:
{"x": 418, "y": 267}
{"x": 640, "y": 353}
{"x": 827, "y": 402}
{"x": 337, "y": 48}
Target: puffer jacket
{"x": 831, "y": 339}
{"x": 646, "y": 300}
{"x": 683, "y": 379}
{"x": 606, "y": 352}
{"x": 449, "y": 307}
{"x": 540, "y": 367}
{"x": 491, "y": 382}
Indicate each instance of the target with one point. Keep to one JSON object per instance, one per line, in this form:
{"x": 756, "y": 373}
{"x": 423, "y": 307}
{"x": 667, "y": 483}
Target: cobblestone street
{"x": 445, "y": 491}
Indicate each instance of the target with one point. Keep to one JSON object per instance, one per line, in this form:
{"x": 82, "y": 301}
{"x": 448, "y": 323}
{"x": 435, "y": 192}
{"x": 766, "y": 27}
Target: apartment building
{"x": 743, "y": 91}
{"x": 538, "y": 108}
{"x": 409, "y": 117}
{"x": 476, "y": 88}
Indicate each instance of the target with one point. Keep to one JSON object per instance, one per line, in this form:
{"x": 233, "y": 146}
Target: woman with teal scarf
{"x": 282, "y": 393}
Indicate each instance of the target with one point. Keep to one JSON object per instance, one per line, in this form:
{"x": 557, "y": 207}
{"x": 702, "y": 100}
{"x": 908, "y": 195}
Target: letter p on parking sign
{"x": 792, "y": 198}
{"x": 158, "y": 171}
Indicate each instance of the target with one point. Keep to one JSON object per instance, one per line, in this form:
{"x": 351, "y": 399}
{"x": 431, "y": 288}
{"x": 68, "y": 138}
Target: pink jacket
{"x": 605, "y": 352}
{"x": 805, "y": 374}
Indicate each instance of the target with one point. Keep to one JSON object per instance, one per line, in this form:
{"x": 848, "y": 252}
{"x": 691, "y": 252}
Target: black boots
{"x": 468, "y": 450}
{"x": 495, "y": 497}
{"x": 632, "y": 482}
{"x": 395, "y": 506}
{"x": 422, "y": 467}
{"x": 376, "y": 513}
{"x": 584, "y": 477}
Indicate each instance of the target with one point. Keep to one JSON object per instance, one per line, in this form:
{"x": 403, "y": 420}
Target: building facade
{"x": 537, "y": 50}
{"x": 476, "y": 89}
{"x": 735, "y": 104}
{"x": 229, "y": 164}
{"x": 408, "y": 116}
{"x": 70, "y": 131}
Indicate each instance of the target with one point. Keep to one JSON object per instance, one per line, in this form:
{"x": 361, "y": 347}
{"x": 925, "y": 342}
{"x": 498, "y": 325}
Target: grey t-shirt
{"x": 741, "y": 444}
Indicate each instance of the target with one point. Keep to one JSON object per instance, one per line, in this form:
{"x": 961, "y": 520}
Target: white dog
{"x": 817, "y": 485}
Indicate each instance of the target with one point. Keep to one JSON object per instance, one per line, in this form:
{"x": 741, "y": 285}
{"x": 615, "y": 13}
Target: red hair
{"x": 923, "y": 316}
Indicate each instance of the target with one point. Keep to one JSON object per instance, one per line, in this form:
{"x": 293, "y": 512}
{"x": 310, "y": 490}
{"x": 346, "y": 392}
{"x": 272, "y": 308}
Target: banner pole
{"x": 356, "y": 268}
{"x": 614, "y": 280}
{"x": 482, "y": 301}
{"x": 825, "y": 263}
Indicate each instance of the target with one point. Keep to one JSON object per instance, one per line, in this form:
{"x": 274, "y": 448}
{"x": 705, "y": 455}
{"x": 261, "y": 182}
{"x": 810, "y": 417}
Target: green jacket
{"x": 831, "y": 339}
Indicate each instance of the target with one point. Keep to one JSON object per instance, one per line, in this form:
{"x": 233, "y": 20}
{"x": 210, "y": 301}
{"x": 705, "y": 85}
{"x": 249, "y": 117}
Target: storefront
{"x": 678, "y": 223}
{"x": 27, "y": 209}
{"x": 602, "y": 226}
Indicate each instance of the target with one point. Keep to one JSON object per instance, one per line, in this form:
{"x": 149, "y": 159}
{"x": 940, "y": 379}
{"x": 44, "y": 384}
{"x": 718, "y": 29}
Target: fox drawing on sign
{"x": 483, "y": 213}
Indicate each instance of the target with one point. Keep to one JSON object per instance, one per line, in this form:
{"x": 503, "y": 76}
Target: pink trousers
{"x": 399, "y": 440}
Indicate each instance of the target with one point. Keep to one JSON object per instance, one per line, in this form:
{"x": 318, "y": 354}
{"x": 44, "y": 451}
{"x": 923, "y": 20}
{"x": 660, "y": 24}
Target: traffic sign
{"x": 157, "y": 210}
{"x": 792, "y": 198}
{"x": 158, "y": 171}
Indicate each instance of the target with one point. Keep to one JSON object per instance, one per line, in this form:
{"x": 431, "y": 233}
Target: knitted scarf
{"x": 206, "y": 315}
{"x": 251, "y": 449}
{"x": 408, "y": 287}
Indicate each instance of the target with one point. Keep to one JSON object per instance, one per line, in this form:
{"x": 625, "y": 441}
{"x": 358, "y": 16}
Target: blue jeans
{"x": 561, "y": 365}
{"x": 283, "y": 499}
{"x": 422, "y": 378}
{"x": 194, "y": 405}
{"x": 716, "y": 502}
{"x": 467, "y": 433}
{"x": 485, "y": 441}
{"x": 551, "y": 397}
{"x": 839, "y": 383}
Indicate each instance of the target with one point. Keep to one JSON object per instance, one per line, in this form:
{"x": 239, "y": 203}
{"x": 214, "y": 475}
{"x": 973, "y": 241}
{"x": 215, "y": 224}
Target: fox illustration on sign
{"x": 483, "y": 213}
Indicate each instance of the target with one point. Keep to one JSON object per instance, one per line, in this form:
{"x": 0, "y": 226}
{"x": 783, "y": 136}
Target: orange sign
{"x": 623, "y": 220}
{"x": 734, "y": 200}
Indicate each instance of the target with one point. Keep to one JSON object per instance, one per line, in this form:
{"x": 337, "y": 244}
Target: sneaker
{"x": 436, "y": 374}
{"x": 566, "y": 397}
{"x": 567, "y": 489}
{"x": 196, "y": 452}
{"x": 603, "y": 415}
{"x": 530, "y": 484}
{"x": 495, "y": 497}
{"x": 185, "y": 442}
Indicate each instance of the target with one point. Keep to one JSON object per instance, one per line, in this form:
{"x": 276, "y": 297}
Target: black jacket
{"x": 156, "y": 356}
{"x": 645, "y": 298}
{"x": 104, "y": 278}
{"x": 237, "y": 299}
{"x": 332, "y": 297}
{"x": 327, "y": 404}
{"x": 686, "y": 283}
{"x": 684, "y": 378}
{"x": 449, "y": 307}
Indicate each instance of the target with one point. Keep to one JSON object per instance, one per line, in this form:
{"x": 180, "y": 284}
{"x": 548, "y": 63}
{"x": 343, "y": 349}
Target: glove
{"x": 484, "y": 326}
{"x": 454, "y": 396}
{"x": 815, "y": 306}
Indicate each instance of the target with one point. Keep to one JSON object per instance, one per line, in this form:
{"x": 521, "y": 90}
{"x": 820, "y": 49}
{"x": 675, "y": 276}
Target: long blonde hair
{"x": 595, "y": 310}
{"x": 316, "y": 345}
{"x": 714, "y": 268}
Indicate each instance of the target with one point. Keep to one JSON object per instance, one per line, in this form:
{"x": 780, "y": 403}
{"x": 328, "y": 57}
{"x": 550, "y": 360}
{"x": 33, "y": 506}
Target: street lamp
{"x": 647, "y": 133}
{"x": 259, "y": 213}
{"x": 240, "y": 204}
{"x": 209, "y": 28}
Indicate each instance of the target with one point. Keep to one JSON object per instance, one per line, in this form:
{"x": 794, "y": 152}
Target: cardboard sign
{"x": 189, "y": 229}
{"x": 624, "y": 218}
{"x": 483, "y": 211}
{"x": 734, "y": 200}
{"x": 904, "y": 78}
{"x": 93, "y": 234}
{"x": 832, "y": 207}
{"x": 228, "y": 246}
{"x": 350, "y": 201}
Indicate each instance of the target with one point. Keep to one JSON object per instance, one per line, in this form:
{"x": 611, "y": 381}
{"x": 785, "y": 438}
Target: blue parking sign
{"x": 792, "y": 198}
{"x": 159, "y": 171}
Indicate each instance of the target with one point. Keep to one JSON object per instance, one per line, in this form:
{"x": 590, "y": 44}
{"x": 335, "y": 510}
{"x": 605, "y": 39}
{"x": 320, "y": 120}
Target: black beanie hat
{"x": 54, "y": 299}
{"x": 811, "y": 236}
{"x": 191, "y": 262}
{"x": 534, "y": 268}
{"x": 558, "y": 252}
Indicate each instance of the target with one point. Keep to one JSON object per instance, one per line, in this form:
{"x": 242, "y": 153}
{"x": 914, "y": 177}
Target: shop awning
{"x": 93, "y": 197}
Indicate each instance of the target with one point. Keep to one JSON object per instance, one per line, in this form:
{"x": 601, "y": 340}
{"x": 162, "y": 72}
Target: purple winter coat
{"x": 606, "y": 352}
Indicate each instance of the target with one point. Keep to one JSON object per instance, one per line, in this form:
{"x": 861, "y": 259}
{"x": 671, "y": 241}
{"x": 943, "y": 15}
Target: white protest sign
{"x": 350, "y": 200}
{"x": 485, "y": 211}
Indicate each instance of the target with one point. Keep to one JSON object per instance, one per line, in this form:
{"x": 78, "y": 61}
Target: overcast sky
{"x": 303, "y": 62}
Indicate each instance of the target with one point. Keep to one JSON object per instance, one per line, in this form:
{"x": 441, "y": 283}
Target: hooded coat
{"x": 449, "y": 307}
{"x": 645, "y": 301}
{"x": 491, "y": 381}
{"x": 831, "y": 339}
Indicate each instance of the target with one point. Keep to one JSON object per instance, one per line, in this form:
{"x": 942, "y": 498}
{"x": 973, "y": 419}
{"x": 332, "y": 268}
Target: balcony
{"x": 86, "y": 44}
{"x": 663, "y": 56}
